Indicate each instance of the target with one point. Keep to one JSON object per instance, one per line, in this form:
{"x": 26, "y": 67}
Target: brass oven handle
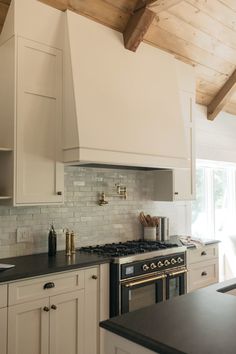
{"x": 143, "y": 281}
{"x": 178, "y": 273}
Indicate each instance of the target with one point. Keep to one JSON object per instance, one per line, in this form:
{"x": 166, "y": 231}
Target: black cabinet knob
{"x": 59, "y": 193}
{"x": 53, "y": 307}
{"x": 203, "y": 253}
{"x": 46, "y": 309}
{"x": 204, "y": 274}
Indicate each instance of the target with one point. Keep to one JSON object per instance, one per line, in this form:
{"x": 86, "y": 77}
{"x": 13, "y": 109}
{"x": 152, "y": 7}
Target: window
{"x": 214, "y": 211}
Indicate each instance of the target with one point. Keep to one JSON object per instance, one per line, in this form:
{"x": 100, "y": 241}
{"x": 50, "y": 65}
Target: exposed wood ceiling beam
{"x": 3, "y": 12}
{"x": 137, "y": 27}
{"x": 222, "y": 97}
{"x": 157, "y": 5}
{"x": 140, "y": 21}
{"x": 62, "y": 5}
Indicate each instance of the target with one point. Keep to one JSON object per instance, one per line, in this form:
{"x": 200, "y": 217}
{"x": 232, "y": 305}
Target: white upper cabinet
{"x": 120, "y": 107}
{"x": 39, "y": 172}
{"x": 179, "y": 184}
{"x": 31, "y": 106}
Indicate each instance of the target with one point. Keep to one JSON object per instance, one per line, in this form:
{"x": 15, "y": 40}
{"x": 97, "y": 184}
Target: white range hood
{"x": 120, "y": 107}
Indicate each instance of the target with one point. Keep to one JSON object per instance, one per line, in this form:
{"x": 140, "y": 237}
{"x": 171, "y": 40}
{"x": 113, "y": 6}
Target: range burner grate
{"x": 128, "y": 248}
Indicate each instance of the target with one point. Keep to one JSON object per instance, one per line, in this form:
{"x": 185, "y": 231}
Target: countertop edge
{"x": 34, "y": 270}
{"x": 158, "y": 347}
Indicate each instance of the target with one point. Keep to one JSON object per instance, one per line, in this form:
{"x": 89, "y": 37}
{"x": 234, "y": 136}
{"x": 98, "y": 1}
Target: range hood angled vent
{"x": 121, "y": 108}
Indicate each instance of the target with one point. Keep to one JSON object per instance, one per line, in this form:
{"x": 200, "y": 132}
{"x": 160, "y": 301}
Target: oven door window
{"x": 175, "y": 286}
{"x": 139, "y": 296}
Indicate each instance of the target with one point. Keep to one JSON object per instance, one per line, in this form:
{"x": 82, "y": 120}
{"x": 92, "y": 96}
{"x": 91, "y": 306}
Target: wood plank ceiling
{"x": 199, "y": 32}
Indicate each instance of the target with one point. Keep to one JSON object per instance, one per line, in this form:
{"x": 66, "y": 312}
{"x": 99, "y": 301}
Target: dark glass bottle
{"x": 52, "y": 242}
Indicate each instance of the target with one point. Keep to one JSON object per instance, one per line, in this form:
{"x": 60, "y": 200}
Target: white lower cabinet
{"x": 67, "y": 323}
{"x": 28, "y": 328}
{"x": 62, "y": 321}
{"x": 115, "y": 344}
{"x": 3, "y": 331}
{"x": 203, "y": 267}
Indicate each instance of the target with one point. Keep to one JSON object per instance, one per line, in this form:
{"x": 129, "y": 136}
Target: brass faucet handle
{"x": 102, "y": 201}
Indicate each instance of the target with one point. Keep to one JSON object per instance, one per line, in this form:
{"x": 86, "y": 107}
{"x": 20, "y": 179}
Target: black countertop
{"x": 41, "y": 264}
{"x": 202, "y": 322}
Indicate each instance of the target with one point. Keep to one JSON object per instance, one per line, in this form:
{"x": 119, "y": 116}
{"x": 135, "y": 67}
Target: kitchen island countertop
{"x": 202, "y": 322}
{"x": 42, "y": 264}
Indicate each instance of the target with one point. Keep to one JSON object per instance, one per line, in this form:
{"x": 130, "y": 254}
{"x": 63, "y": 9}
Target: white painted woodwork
{"x": 33, "y": 289}
{"x": 104, "y": 293}
{"x": 203, "y": 266}
{"x": 39, "y": 172}
{"x": 49, "y": 31}
{"x": 122, "y": 110}
{"x": 7, "y": 76}
{"x": 196, "y": 277}
{"x": 7, "y": 96}
{"x": 173, "y": 185}
{"x": 3, "y": 296}
{"x": 31, "y": 104}
{"x": 215, "y": 141}
{"x": 67, "y": 330}
{"x": 202, "y": 254}
{"x": 115, "y": 344}
{"x": 179, "y": 184}
{"x": 73, "y": 326}
{"x": 3, "y": 331}
{"x": 28, "y": 328}
{"x": 91, "y": 306}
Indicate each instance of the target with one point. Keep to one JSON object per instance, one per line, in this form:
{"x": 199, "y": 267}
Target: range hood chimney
{"x": 120, "y": 108}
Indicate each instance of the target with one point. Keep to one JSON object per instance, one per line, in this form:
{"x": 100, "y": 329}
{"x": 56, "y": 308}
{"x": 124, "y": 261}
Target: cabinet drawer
{"x": 33, "y": 289}
{"x": 3, "y": 296}
{"x": 202, "y": 254}
{"x": 202, "y": 274}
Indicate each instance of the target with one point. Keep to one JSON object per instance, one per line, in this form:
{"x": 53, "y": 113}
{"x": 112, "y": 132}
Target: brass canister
{"x": 72, "y": 240}
{"x": 68, "y": 243}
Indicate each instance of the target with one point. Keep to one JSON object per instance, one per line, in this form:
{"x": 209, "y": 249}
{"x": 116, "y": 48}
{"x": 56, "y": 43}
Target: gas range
{"x": 135, "y": 250}
{"x": 143, "y": 272}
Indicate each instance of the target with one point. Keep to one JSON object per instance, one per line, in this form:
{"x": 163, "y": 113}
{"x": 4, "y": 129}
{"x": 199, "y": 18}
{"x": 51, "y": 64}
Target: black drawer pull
{"x": 204, "y": 274}
{"x": 49, "y": 285}
{"x": 203, "y": 253}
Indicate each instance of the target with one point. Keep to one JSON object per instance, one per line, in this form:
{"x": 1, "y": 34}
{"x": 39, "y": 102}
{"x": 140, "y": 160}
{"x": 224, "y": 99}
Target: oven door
{"x": 139, "y": 293}
{"x": 176, "y": 283}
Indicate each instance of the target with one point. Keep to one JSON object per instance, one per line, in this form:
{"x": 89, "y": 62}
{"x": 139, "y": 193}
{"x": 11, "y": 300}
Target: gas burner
{"x": 128, "y": 248}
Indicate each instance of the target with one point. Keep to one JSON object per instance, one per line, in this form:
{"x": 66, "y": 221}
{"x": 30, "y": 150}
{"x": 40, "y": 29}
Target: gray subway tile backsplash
{"x": 93, "y": 224}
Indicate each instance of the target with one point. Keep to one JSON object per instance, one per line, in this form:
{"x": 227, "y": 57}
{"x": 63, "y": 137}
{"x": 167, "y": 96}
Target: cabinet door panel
{"x": 28, "y": 328}
{"x": 202, "y": 274}
{"x": 91, "y": 310}
{"x": 39, "y": 117}
{"x": 3, "y": 331}
{"x": 67, "y": 316}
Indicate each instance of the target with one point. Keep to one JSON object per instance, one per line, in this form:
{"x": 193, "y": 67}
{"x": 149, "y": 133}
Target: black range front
{"x": 142, "y": 283}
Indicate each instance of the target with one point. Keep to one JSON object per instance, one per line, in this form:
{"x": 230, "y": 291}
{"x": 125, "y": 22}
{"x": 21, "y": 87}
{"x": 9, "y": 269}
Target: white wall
{"x": 215, "y": 140}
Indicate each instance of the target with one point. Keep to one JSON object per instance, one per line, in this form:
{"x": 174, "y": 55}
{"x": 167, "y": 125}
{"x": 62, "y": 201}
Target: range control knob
{"x": 167, "y": 263}
{"x": 153, "y": 266}
{"x": 160, "y": 264}
{"x": 145, "y": 267}
{"x": 173, "y": 261}
{"x": 180, "y": 260}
